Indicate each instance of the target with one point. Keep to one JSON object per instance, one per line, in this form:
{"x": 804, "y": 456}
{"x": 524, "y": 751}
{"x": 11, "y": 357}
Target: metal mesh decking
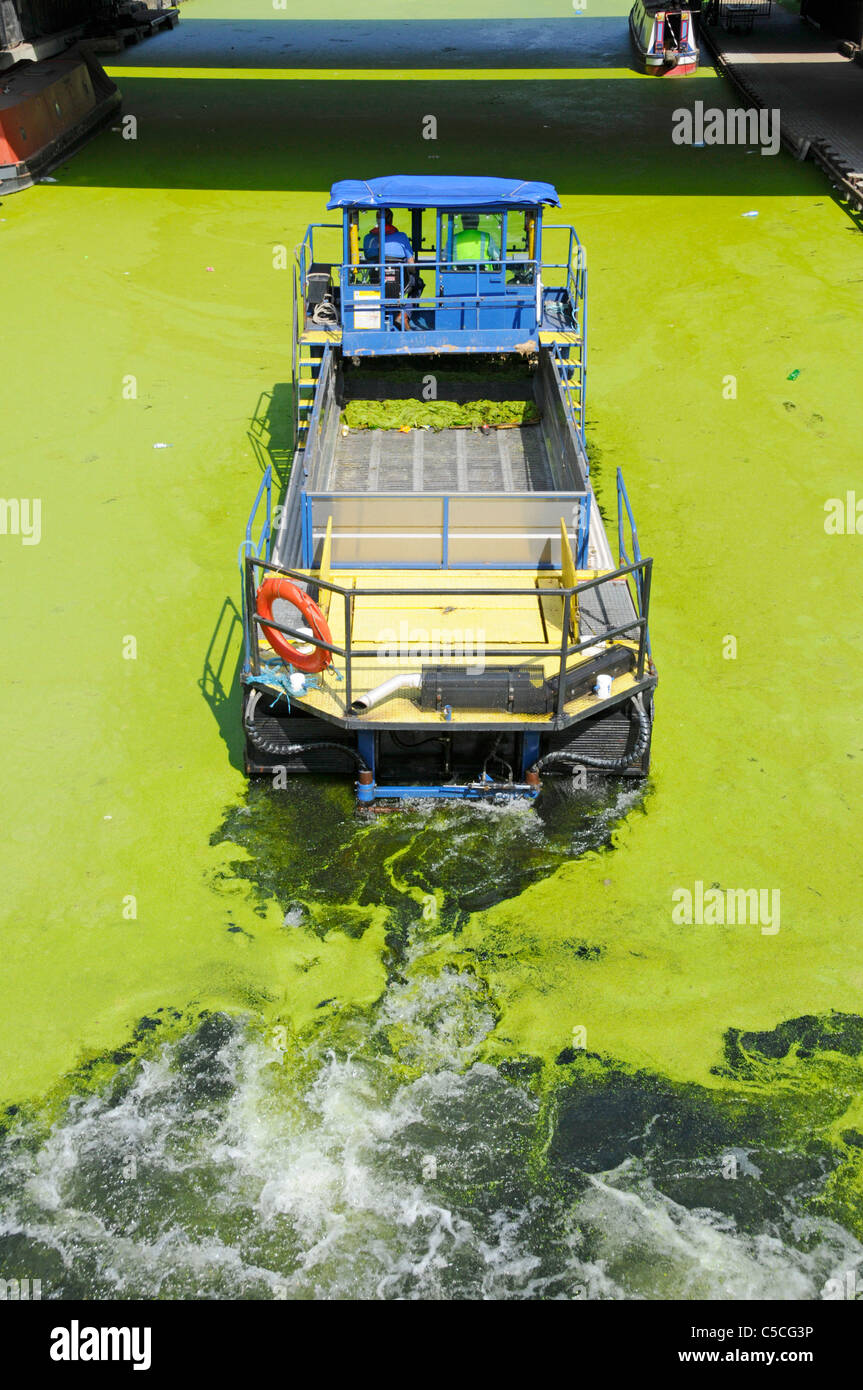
{"x": 504, "y": 460}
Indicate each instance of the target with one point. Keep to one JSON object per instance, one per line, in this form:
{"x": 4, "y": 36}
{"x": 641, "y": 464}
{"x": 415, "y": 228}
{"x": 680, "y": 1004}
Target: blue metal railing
{"x": 249, "y": 545}
{"x": 574, "y": 264}
{"x": 259, "y": 549}
{"x": 313, "y": 422}
{"x": 623, "y": 505}
{"x": 576, "y": 289}
{"x": 581, "y": 309}
{"x": 391, "y": 308}
{"x": 305, "y": 252}
{"x": 394, "y": 308}
{"x": 446, "y": 537}
{"x": 572, "y": 369}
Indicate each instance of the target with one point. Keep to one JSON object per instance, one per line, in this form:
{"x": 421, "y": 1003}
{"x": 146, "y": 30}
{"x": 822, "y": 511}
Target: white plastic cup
{"x": 297, "y": 682}
{"x": 603, "y": 687}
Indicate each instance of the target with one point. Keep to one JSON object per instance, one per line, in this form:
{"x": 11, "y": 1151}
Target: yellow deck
{"x": 444, "y": 628}
{"x": 321, "y": 335}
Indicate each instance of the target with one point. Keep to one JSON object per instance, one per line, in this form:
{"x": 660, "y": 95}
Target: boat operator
{"x": 470, "y": 244}
{"x": 397, "y": 248}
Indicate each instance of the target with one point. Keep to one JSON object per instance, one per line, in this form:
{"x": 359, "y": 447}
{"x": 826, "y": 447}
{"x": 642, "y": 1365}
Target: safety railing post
{"x": 564, "y": 652}
{"x": 306, "y": 526}
{"x": 584, "y": 532}
{"x": 647, "y": 571}
{"x": 582, "y": 321}
{"x": 295, "y": 391}
{"x": 253, "y": 659}
{"x": 269, "y": 522}
{"x": 264, "y": 486}
{"x": 348, "y": 655}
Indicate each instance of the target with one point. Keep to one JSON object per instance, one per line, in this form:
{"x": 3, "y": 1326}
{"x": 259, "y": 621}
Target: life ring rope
{"x": 273, "y": 588}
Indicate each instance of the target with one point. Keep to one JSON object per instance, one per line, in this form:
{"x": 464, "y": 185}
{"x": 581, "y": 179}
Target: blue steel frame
{"x": 441, "y": 213}
{"x": 392, "y": 338}
{"x": 463, "y": 791}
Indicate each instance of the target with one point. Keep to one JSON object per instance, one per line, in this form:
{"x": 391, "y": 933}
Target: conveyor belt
{"x": 505, "y": 460}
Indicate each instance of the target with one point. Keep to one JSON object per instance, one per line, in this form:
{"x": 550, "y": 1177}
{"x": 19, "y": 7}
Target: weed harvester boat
{"x": 435, "y": 605}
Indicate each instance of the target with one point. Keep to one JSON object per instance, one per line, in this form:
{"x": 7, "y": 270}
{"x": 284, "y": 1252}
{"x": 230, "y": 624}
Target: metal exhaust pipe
{"x": 408, "y": 681}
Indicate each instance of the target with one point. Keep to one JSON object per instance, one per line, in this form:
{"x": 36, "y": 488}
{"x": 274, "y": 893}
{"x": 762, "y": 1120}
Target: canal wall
{"x": 786, "y": 64}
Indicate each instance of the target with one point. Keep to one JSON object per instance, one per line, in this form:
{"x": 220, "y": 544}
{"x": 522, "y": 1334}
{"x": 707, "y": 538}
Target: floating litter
{"x": 749, "y": 214}
{"x": 163, "y": 446}
{"x": 792, "y": 376}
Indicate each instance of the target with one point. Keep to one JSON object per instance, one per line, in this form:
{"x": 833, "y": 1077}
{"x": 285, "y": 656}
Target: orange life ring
{"x": 310, "y": 662}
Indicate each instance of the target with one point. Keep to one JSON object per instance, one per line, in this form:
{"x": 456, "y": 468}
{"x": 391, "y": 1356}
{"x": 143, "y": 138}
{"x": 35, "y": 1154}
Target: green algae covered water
{"x": 254, "y": 1047}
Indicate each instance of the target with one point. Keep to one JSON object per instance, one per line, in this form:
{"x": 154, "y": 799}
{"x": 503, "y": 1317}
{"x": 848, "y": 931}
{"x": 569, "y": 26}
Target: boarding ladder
{"x": 305, "y": 370}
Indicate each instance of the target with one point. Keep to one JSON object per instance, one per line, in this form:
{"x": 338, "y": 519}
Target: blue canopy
{"x": 439, "y": 191}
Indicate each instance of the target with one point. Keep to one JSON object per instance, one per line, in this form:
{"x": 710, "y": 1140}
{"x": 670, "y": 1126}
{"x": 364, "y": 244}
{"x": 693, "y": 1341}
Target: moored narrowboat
{"x": 664, "y": 37}
{"x": 48, "y": 109}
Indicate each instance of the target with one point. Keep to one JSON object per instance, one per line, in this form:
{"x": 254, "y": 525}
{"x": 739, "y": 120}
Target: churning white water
{"x": 384, "y": 1159}
{"x": 221, "y": 1168}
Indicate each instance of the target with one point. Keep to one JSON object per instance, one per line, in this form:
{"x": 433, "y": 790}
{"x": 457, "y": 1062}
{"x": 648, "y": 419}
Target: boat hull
{"x": 48, "y": 109}
{"x": 657, "y": 64}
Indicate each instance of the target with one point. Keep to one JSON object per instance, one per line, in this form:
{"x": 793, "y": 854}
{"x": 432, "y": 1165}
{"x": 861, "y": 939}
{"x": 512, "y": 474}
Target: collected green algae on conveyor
{"x": 438, "y": 415}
